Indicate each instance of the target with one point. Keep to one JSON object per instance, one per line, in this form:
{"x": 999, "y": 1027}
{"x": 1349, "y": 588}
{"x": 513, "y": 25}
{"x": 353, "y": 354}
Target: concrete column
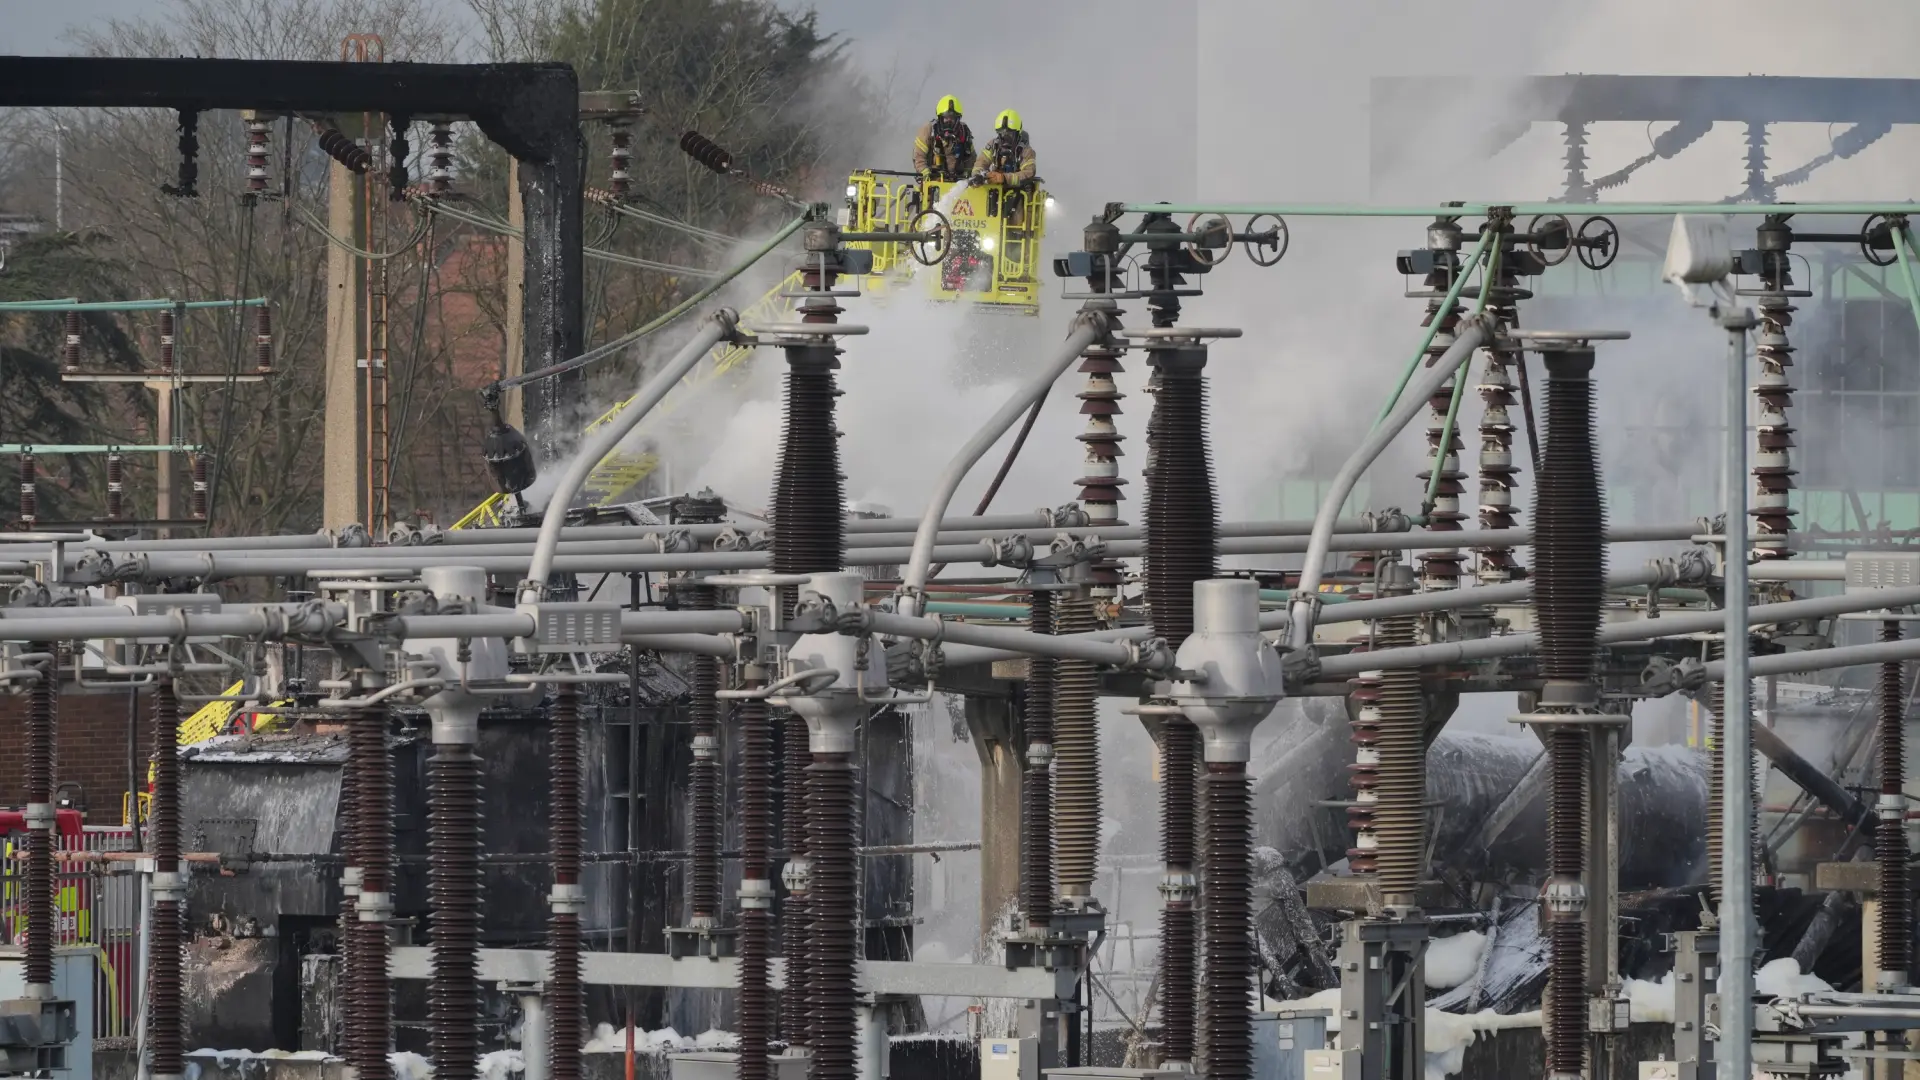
{"x": 513, "y": 410}
{"x": 344, "y": 472}
{"x": 994, "y": 724}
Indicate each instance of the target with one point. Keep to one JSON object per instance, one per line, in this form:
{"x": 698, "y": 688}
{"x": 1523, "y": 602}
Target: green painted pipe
{"x": 97, "y": 448}
{"x": 1903, "y": 247}
{"x": 1474, "y": 209}
{"x": 1433, "y": 326}
{"x": 980, "y": 611}
{"x": 127, "y": 305}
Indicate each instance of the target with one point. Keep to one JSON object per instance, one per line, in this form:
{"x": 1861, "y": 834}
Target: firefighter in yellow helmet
{"x": 943, "y": 148}
{"x": 1008, "y": 159}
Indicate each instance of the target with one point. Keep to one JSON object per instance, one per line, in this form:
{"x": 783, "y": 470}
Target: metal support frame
{"x": 1383, "y": 997}
{"x": 531, "y": 110}
{"x": 1696, "y": 971}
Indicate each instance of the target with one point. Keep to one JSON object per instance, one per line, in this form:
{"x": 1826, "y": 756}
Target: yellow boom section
{"x": 618, "y": 472}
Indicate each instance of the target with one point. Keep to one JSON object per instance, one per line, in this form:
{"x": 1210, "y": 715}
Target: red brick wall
{"x": 91, "y": 750}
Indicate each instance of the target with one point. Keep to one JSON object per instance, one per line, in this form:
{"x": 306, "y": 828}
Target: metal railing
{"x": 97, "y": 905}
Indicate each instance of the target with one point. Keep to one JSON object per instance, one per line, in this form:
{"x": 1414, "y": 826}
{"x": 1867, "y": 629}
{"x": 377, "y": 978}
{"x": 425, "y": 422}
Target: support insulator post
{"x": 42, "y": 718}
{"x": 566, "y": 999}
{"x": 369, "y": 1033}
{"x": 1773, "y": 472}
{"x": 1036, "y": 885}
{"x": 756, "y": 1018}
{"x": 29, "y": 492}
{"x": 167, "y": 330}
{"x": 1890, "y": 838}
{"x": 70, "y": 344}
{"x": 620, "y": 180}
{"x": 199, "y": 498}
{"x": 440, "y": 160}
{"x": 1076, "y": 756}
{"x": 116, "y": 484}
{"x": 263, "y": 340}
{"x": 1440, "y": 568}
{"x": 453, "y": 899}
{"x": 166, "y": 1028}
{"x": 259, "y": 151}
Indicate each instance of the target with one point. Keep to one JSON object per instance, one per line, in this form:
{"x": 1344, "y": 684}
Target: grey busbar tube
{"x": 715, "y": 328}
{"x": 1089, "y": 327}
{"x": 1473, "y": 330}
{"x": 1020, "y": 642}
{"x": 1678, "y": 623}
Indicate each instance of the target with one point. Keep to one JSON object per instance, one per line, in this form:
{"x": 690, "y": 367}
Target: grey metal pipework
{"x": 1449, "y": 599}
{"x": 518, "y": 625}
{"x": 1089, "y": 327}
{"x": 717, "y": 327}
{"x": 1239, "y": 673}
{"x": 1671, "y": 625}
{"x": 1413, "y": 401}
{"x": 1798, "y": 570}
{"x": 1820, "y": 659}
{"x": 1016, "y": 642}
{"x": 700, "y": 644}
{"x": 833, "y": 712}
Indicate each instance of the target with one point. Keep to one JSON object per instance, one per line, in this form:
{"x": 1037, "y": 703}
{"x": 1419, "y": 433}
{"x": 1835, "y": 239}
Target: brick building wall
{"x": 90, "y": 750}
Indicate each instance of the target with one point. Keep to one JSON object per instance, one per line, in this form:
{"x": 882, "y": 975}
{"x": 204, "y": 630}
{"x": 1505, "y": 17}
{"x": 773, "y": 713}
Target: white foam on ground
{"x": 410, "y": 1066}
{"x": 607, "y": 1040}
{"x": 502, "y": 1064}
{"x": 1448, "y": 1034}
{"x": 1451, "y": 961}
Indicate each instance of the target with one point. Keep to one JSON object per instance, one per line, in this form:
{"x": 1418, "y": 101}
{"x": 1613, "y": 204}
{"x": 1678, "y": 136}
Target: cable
{"x": 496, "y": 225}
{"x": 224, "y": 443}
{"x": 307, "y": 217}
{"x": 624, "y": 340}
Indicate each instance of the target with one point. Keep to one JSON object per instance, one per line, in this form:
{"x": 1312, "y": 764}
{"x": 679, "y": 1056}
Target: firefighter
{"x": 943, "y": 149}
{"x": 1008, "y": 160}
{"x": 1009, "y": 157}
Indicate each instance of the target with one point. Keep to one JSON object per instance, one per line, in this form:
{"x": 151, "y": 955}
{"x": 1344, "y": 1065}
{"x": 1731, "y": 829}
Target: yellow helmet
{"x": 948, "y": 104}
{"x": 1007, "y": 120}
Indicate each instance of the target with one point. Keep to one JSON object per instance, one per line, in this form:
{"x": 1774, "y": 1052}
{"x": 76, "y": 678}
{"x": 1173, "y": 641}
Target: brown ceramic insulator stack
{"x": 29, "y": 491}
{"x": 566, "y": 1000}
{"x": 370, "y": 1011}
{"x": 707, "y": 822}
{"x": 258, "y": 149}
{"x": 197, "y": 502}
{"x": 1036, "y": 879}
{"x": 1227, "y": 903}
{"x": 1574, "y": 137}
{"x": 354, "y": 157}
{"x": 70, "y": 343}
{"x": 1399, "y": 812}
{"x": 42, "y": 711}
{"x": 796, "y": 916}
{"x": 349, "y": 923}
{"x": 1364, "y": 774}
{"x": 833, "y": 976}
{"x": 166, "y": 342}
{"x": 755, "y": 943}
{"x": 621, "y": 178}
{"x": 1179, "y": 743}
{"x": 1569, "y": 577}
{"x": 1498, "y": 470}
{"x": 166, "y": 1029}
{"x": 263, "y": 340}
{"x": 1100, "y": 482}
{"x": 1566, "y": 940}
{"x": 453, "y": 901}
{"x": 1890, "y": 838}
{"x": 809, "y": 513}
{"x": 705, "y": 771}
{"x": 1773, "y": 470}
{"x": 1076, "y": 756}
{"x": 440, "y": 160}
{"x": 1182, "y": 513}
{"x": 1440, "y": 569}
{"x": 116, "y": 485}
